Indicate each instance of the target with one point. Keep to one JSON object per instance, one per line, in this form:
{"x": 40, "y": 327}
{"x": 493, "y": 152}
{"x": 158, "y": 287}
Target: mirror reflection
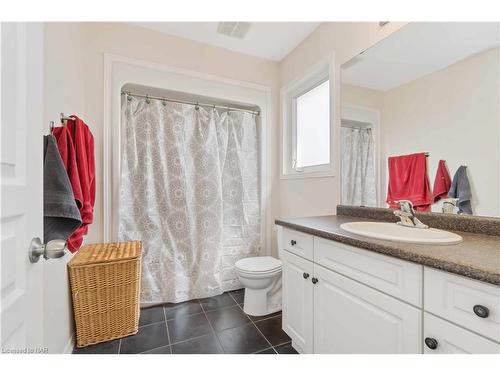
{"x": 421, "y": 120}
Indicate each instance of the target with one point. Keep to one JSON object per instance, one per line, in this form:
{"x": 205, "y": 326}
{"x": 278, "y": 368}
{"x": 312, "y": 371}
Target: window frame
{"x": 317, "y": 75}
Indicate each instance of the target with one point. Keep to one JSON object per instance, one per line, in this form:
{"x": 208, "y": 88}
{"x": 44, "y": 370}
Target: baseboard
{"x": 68, "y": 349}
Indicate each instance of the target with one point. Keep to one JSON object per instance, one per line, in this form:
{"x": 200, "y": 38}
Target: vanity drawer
{"x": 298, "y": 243}
{"x": 452, "y": 339}
{"x": 455, "y": 298}
{"x": 393, "y": 276}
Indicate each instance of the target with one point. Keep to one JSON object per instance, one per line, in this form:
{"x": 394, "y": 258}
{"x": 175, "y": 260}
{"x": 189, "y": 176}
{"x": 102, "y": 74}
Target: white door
{"x": 351, "y": 318}
{"x": 21, "y": 186}
{"x": 297, "y": 305}
{"x": 442, "y": 337}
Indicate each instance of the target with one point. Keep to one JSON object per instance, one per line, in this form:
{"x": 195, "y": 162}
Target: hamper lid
{"x": 106, "y": 252}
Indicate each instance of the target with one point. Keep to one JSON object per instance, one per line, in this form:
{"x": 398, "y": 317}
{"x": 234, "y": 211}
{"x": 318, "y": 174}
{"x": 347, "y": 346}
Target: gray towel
{"x": 60, "y": 213}
{"x": 460, "y": 188}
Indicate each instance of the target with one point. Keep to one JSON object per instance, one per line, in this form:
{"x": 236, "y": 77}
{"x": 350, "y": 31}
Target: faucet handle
{"x": 406, "y": 206}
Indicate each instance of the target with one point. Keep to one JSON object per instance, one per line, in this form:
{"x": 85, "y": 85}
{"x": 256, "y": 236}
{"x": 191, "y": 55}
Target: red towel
{"x": 408, "y": 180}
{"x": 76, "y": 146}
{"x": 442, "y": 182}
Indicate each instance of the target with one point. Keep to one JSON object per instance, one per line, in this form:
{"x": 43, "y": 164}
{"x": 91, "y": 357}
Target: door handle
{"x": 51, "y": 250}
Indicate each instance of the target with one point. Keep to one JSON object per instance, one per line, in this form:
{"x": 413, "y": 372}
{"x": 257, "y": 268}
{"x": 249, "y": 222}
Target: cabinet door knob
{"x": 293, "y": 242}
{"x": 431, "y": 343}
{"x": 305, "y": 275}
{"x": 481, "y": 311}
{"x": 314, "y": 280}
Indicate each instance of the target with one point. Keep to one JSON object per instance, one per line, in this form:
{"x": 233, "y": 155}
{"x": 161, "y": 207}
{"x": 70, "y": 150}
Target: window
{"x": 313, "y": 127}
{"x": 307, "y": 125}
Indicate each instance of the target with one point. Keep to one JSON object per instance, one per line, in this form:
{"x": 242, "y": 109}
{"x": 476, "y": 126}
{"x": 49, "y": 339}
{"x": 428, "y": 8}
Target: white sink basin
{"x": 396, "y": 232}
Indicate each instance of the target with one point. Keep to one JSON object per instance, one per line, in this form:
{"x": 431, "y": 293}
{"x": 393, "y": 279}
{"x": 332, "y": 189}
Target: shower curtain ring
{"x": 197, "y": 107}
{"x": 147, "y": 99}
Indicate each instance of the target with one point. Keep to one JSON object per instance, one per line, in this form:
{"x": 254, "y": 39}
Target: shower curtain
{"x": 189, "y": 190}
{"x": 358, "y": 172}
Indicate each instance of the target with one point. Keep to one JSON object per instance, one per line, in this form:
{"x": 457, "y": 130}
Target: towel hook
{"x": 51, "y": 126}
{"x": 64, "y": 118}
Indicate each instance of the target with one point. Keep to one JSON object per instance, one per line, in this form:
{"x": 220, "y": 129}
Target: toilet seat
{"x": 259, "y": 265}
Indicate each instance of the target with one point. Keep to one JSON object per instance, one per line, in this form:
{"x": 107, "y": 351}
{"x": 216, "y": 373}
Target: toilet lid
{"x": 258, "y": 264}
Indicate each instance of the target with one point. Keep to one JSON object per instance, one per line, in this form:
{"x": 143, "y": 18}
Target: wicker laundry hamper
{"x": 105, "y": 284}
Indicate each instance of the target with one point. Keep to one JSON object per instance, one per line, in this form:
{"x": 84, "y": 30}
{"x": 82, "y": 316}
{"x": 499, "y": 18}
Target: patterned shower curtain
{"x": 357, "y": 167}
{"x": 189, "y": 189}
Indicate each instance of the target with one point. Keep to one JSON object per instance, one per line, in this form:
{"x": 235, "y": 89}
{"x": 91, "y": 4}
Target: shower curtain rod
{"x": 128, "y": 93}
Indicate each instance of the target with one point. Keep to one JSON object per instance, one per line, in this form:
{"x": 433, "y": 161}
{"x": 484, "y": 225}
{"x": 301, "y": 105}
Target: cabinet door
{"x": 443, "y": 337}
{"x": 298, "y": 301}
{"x": 350, "y": 317}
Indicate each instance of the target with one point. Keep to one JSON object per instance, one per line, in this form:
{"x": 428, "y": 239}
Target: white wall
{"x": 320, "y": 196}
{"x": 63, "y": 92}
{"x": 454, "y": 115}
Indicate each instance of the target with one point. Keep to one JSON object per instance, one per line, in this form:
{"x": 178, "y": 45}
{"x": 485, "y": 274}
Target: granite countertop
{"x": 477, "y": 257}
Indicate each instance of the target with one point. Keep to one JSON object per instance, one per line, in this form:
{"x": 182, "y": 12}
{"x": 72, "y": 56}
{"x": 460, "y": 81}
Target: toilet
{"x": 261, "y": 277}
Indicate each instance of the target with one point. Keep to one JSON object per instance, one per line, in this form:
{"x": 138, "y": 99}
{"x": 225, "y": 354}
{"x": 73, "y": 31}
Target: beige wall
{"x": 63, "y": 92}
{"x": 362, "y": 97}
{"x": 454, "y": 115}
{"x": 142, "y": 44}
{"x": 320, "y": 196}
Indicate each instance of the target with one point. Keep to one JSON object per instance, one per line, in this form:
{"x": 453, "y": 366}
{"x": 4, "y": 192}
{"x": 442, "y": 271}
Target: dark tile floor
{"x": 206, "y": 326}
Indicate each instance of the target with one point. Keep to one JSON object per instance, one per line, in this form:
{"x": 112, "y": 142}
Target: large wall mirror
{"x": 421, "y": 106}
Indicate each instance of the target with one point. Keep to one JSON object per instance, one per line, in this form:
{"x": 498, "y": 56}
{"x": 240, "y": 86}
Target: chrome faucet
{"x": 406, "y": 215}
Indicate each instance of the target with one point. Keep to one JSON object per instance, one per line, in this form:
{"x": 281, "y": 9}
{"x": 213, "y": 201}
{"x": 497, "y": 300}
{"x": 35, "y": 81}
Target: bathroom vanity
{"x": 343, "y": 293}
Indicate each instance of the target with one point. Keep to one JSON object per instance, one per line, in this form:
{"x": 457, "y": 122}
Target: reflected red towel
{"x": 76, "y": 146}
{"x": 442, "y": 182}
{"x": 408, "y": 180}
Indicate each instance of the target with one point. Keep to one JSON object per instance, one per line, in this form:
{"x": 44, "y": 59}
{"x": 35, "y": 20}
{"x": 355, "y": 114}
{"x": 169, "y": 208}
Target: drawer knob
{"x": 431, "y": 343}
{"x": 305, "y": 275}
{"x": 481, "y": 311}
{"x": 314, "y": 280}
{"x": 293, "y": 242}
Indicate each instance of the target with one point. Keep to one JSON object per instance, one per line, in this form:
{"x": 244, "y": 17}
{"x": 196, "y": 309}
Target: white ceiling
{"x": 268, "y": 40}
{"x": 416, "y": 50}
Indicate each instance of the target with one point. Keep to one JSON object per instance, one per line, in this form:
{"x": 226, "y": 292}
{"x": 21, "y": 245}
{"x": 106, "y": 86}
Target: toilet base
{"x": 260, "y": 302}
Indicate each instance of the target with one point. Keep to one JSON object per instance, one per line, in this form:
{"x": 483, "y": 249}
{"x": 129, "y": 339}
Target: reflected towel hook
{"x": 65, "y": 118}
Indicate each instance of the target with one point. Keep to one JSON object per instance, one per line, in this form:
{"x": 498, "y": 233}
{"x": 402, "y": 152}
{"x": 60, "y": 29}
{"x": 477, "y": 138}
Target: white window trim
{"x": 315, "y": 76}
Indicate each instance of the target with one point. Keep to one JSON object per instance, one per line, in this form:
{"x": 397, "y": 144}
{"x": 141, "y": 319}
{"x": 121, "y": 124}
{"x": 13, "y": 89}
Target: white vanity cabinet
{"x": 442, "y": 337}
{"x": 350, "y": 317}
{"x": 462, "y": 315}
{"x": 297, "y": 301}
{"x": 342, "y": 299}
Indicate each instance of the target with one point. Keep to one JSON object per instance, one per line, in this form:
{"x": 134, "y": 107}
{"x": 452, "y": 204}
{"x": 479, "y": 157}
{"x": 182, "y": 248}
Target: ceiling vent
{"x": 234, "y": 29}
